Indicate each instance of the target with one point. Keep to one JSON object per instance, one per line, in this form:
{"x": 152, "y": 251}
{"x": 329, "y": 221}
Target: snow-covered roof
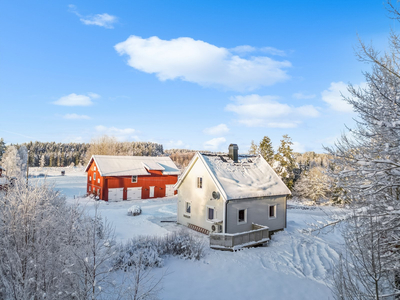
{"x": 250, "y": 177}
{"x": 109, "y": 165}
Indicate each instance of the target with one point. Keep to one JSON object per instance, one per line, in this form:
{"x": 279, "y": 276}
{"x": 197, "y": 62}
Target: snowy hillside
{"x": 295, "y": 265}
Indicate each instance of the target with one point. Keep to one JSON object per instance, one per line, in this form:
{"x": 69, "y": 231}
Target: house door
{"x": 115, "y": 194}
{"x": 151, "y": 192}
{"x": 134, "y": 193}
{"x": 169, "y": 190}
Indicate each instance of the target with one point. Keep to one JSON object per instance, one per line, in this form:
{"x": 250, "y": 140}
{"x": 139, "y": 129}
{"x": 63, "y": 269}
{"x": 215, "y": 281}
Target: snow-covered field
{"x": 295, "y": 264}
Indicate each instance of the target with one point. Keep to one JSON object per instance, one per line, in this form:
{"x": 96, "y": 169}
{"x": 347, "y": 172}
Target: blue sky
{"x": 187, "y": 74}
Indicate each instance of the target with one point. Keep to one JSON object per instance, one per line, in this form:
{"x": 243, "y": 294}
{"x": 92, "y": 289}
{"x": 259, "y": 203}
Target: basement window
{"x": 272, "y": 211}
{"x": 199, "y": 182}
{"x": 134, "y": 179}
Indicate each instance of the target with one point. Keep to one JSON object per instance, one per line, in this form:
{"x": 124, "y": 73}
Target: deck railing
{"x": 257, "y": 235}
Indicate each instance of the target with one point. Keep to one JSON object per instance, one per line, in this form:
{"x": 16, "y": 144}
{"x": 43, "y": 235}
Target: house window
{"x": 272, "y": 211}
{"x": 199, "y": 182}
{"x": 242, "y": 216}
{"x": 134, "y": 179}
{"x": 94, "y": 176}
{"x": 90, "y": 188}
{"x": 90, "y": 178}
{"x": 210, "y": 213}
{"x": 94, "y": 168}
{"x": 98, "y": 180}
{"x": 188, "y": 207}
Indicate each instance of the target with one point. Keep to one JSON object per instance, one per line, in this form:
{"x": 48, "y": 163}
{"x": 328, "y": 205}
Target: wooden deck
{"x": 225, "y": 241}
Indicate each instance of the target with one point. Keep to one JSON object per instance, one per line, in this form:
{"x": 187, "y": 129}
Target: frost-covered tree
{"x": 313, "y": 184}
{"x": 367, "y": 159}
{"x": 2, "y": 147}
{"x": 12, "y": 162}
{"x": 285, "y": 162}
{"x": 266, "y": 150}
{"x": 42, "y": 162}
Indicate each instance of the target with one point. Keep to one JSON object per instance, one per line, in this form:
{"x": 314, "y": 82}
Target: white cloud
{"x": 214, "y": 144}
{"x": 202, "y": 63}
{"x": 265, "y": 111}
{"x": 248, "y": 49}
{"x": 93, "y": 95}
{"x": 76, "y": 100}
{"x": 103, "y": 20}
{"x": 335, "y": 93}
{"x": 120, "y": 134}
{"x": 76, "y": 117}
{"x": 301, "y": 96}
{"x": 217, "y": 130}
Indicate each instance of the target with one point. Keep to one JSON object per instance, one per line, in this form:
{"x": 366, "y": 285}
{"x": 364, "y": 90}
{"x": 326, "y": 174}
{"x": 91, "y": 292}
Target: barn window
{"x": 94, "y": 176}
{"x": 200, "y": 182}
{"x": 272, "y": 211}
{"x": 210, "y": 213}
{"x": 188, "y": 207}
{"x": 242, "y": 216}
{"x": 134, "y": 179}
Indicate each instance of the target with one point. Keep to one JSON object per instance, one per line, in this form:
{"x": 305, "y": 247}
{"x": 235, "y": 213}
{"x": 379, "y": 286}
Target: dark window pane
{"x": 210, "y": 213}
{"x": 241, "y": 215}
{"x": 272, "y": 211}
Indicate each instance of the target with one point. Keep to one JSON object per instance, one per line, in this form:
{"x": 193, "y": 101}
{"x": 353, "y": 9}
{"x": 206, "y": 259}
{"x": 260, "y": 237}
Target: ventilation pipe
{"x": 233, "y": 152}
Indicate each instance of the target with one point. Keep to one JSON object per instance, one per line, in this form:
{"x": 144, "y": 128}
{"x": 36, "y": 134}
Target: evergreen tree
{"x": 254, "y": 150}
{"x": 285, "y": 162}
{"x": 266, "y": 150}
{"x": 2, "y": 147}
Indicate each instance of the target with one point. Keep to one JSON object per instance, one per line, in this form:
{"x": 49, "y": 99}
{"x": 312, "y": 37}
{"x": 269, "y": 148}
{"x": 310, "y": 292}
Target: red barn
{"x": 117, "y": 178}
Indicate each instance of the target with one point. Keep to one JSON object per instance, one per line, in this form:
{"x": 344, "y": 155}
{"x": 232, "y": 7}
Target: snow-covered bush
{"x": 314, "y": 185}
{"x": 150, "y": 250}
{"x": 134, "y": 210}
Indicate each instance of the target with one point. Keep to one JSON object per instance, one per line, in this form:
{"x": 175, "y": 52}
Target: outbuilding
{"x": 117, "y": 178}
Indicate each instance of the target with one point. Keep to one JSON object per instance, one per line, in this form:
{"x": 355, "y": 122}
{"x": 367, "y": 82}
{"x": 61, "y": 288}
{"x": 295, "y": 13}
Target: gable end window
{"x": 94, "y": 176}
{"x": 272, "y": 211}
{"x": 90, "y": 178}
{"x": 94, "y": 168}
{"x": 134, "y": 179}
{"x": 199, "y": 182}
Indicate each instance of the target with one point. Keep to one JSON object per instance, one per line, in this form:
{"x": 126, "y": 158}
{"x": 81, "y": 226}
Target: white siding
{"x": 199, "y": 198}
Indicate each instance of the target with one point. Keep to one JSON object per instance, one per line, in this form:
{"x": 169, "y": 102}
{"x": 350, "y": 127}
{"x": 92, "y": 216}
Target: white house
{"x": 229, "y": 194}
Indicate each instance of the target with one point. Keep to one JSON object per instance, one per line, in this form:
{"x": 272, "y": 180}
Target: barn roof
{"x": 250, "y": 177}
{"x": 109, "y": 165}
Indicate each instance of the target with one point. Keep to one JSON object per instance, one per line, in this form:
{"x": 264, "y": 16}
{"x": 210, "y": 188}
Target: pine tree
{"x": 254, "y": 150}
{"x": 266, "y": 150}
{"x": 284, "y": 161}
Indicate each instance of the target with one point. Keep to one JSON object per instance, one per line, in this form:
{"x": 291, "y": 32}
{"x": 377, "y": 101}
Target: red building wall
{"x": 100, "y": 185}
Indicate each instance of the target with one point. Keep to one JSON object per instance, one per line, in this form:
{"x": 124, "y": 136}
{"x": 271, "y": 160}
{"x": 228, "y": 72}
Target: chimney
{"x": 233, "y": 152}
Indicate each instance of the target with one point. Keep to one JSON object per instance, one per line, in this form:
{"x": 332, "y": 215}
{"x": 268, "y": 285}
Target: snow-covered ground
{"x": 295, "y": 264}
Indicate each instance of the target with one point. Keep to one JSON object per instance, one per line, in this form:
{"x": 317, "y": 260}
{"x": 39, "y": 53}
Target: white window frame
{"x": 207, "y": 210}
{"x": 199, "y": 182}
{"x": 186, "y": 207}
{"x": 245, "y": 216}
{"x": 269, "y": 211}
{"x": 90, "y": 188}
{"x": 136, "y": 179}
{"x": 94, "y": 176}
{"x": 94, "y": 168}
{"x": 98, "y": 180}
{"x": 90, "y": 178}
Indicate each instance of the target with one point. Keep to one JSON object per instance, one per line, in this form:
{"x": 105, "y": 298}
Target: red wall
{"x": 156, "y": 179}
